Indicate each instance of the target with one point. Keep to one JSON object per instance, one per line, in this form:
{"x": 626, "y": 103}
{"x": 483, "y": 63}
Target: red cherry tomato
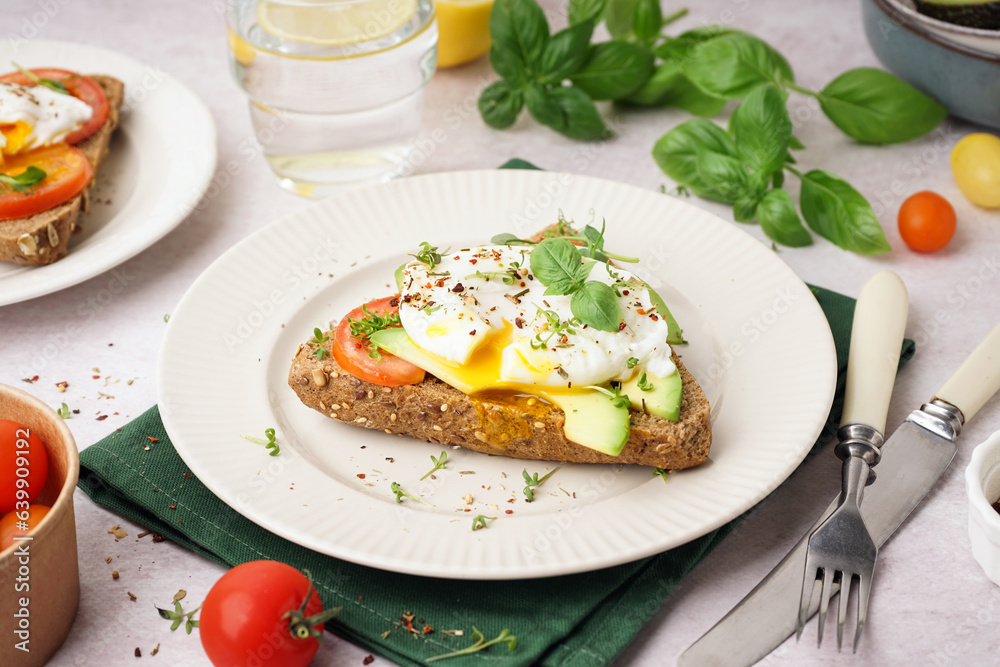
{"x": 926, "y": 221}
{"x": 77, "y": 85}
{"x": 242, "y": 620}
{"x": 24, "y": 466}
{"x": 20, "y": 522}
{"x": 353, "y": 353}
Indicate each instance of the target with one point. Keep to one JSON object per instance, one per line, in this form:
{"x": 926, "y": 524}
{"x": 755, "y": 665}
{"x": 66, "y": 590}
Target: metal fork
{"x": 841, "y": 549}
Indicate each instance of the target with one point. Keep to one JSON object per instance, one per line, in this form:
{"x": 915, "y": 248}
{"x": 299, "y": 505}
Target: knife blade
{"x": 916, "y": 455}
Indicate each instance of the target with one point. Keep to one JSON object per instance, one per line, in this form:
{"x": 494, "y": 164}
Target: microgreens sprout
{"x": 533, "y": 481}
{"x": 369, "y": 324}
{"x": 439, "y": 464}
{"x": 645, "y": 385}
{"x": 662, "y": 472}
{"x": 429, "y": 255}
{"x": 553, "y": 326}
{"x": 479, "y": 643}
{"x": 632, "y": 362}
{"x": 318, "y": 338}
{"x": 270, "y": 443}
{"x": 398, "y": 490}
{"x": 508, "y": 277}
{"x": 178, "y": 616}
{"x": 430, "y": 308}
{"x": 480, "y": 521}
{"x": 618, "y": 399}
{"x": 64, "y": 411}
{"x": 24, "y": 180}
{"x": 51, "y": 84}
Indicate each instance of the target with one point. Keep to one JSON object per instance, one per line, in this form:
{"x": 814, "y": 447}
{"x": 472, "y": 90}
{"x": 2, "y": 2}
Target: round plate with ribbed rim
{"x": 759, "y": 346}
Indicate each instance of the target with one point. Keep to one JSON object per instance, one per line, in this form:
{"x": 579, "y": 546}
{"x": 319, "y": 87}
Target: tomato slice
{"x": 352, "y": 353}
{"x": 79, "y": 86}
{"x": 67, "y": 172}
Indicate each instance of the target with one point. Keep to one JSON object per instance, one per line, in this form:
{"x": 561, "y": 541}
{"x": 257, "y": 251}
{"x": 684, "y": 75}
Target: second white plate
{"x": 759, "y": 345}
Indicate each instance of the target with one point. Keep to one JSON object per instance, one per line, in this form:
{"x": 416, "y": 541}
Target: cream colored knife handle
{"x": 977, "y": 379}
{"x": 876, "y": 340}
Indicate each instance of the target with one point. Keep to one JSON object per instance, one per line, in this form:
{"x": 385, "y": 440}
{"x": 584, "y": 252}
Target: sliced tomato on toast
{"x": 67, "y": 173}
{"x": 356, "y": 356}
{"x": 77, "y": 85}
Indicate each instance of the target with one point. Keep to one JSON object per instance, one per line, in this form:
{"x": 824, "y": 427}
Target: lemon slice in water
{"x": 334, "y": 22}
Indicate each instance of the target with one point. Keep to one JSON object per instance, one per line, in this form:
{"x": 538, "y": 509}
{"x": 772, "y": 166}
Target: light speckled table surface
{"x": 931, "y": 602}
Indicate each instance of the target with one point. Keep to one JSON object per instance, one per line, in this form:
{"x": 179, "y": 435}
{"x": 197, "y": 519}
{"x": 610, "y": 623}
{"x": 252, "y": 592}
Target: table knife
{"x": 916, "y": 455}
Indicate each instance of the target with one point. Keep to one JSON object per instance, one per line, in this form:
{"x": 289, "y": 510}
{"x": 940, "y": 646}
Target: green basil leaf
{"x": 556, "y": 263}
{"x": 518, "y": 31}
{"x": 724, "y": 175}
{"x": 24, "y": 180}
{"x": 780, "y": 221}
{"x": 507, "y": 238}
{"x": 567, "y": 110}
{"x": 499, "y": 104}
{"x": 838, "y": 213}
{"x": 581, "y": 10}
{"x": 565, "y": 52}
{"x": 676, "y": 153}
{"x": 778, "y": 179}
{"x": 795, "y": 144}
{"x": 619, "y": 17}
{"x": 732, "y": 65}
{"x": 875, "y": 107}
{"x": 669, "y": 87}
{"x": 745, "y": 208}
{"x": 596, "y": 305}
{"x": 647, "y": 19}
{"x": 762, "y": 130}
{"x": 613, "y": 69}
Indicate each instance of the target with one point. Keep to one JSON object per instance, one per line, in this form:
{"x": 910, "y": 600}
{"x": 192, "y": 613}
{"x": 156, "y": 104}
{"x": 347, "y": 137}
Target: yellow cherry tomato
{"x": 975, "y": 163}
{"x": 463, "y": 30}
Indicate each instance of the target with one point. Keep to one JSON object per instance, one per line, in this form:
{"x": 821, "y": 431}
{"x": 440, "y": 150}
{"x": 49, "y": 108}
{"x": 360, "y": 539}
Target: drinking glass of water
{"x": 335, "y": 86}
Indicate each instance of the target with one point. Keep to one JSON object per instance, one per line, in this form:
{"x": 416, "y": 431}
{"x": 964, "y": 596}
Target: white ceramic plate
{"x": 760, "y": 346}
{"x": 161, "y": 160}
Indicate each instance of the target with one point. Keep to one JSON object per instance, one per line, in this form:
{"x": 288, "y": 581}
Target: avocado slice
{"x": 662, "y": 397}
{"x": 982, "y": 14}
{"x": 591, "y": 419}
{"x": 675, "y": 335}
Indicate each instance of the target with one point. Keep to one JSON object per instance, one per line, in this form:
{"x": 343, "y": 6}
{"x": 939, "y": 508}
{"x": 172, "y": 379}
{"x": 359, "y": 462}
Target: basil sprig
{"x": 558, "y": 265}
{"x": 51, "y": 84}
{"x": 24, "y": 180}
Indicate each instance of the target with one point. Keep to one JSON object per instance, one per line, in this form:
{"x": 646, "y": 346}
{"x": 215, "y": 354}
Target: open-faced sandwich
{"x": 542, "y": 348}
{"x": 55, "y": 129}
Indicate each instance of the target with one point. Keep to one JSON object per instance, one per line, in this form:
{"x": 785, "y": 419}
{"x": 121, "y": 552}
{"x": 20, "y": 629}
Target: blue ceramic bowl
{"x": 963, "y": 79}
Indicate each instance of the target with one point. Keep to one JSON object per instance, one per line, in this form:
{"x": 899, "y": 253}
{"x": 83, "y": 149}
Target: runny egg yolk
{"x": 15, "y": 136}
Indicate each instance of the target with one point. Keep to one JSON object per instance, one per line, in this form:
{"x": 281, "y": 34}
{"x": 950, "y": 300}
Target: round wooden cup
{"x": 40, "y": 577}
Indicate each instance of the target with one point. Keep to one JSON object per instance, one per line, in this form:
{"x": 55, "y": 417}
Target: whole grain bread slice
{"x": 43, "y": 238}
{"x": 519, "y": 427}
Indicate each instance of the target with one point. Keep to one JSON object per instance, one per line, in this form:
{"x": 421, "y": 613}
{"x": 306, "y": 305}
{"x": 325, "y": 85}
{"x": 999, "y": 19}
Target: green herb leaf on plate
{"x": 30, "y": 176}
{"x": 596, "y": 305}
{"x": 557, "y": 263}
{"x": 875, "y": 107}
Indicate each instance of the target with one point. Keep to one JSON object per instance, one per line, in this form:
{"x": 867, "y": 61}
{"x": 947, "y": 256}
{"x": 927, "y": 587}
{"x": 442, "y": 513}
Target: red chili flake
{"x": 30, "y": 380}
{"x": 187, "y": 475}
{"x": 641, "y": 311}
{"x": 427, "y": 629}
{"x": 138, "y": 653}
{"x": 361, "y": 597}
{"x": 407, "y": 619}
{"x": 361, "y": 475}
{"x": 394, "y": 302}
{"x": 369, "y": 659}
{"x": 62, "y": 386}
{"x": 472, "y": 333}
{"x": 625, "y": 292}
{"x": 102, "y": 418}
{"x": 621, "y": 327}
{"x": 180, "y": 520}
{"x": 152, "y": 439}
{"x": 76, "y": 412}
{"x": 653, "y": 317}
{"x": 467, "y": 510}
{"x": 510, "y": 500}
{"x": 95, "y": 377}
{"x": 473, "y": 261}
{"x": 509, "y": 512}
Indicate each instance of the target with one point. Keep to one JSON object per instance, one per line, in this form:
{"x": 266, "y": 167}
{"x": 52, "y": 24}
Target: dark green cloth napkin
{"x": 574, "y": 620}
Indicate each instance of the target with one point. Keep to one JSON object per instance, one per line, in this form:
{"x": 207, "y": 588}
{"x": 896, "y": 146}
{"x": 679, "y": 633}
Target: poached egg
{"x": 481, "y": 311}
{"x": 35, "y": 116}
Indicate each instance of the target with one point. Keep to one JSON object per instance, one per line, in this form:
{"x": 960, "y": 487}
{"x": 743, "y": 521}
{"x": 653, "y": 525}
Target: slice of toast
{"x": 43, "y": 238}
{"x": 514, "y": 426}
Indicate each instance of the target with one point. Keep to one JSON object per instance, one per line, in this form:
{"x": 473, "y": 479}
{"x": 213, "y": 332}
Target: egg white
{"x": 51, "y": 115}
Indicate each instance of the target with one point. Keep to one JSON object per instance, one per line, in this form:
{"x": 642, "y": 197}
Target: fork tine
{"x": 846, "y": 579}
{"x": 824, "y": 602}
{"x": 864, "y": 588}
{"x": 805, "y": 599}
